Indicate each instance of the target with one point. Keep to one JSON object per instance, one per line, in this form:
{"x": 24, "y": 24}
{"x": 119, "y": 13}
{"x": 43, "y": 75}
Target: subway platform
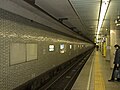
{"x": 95, "y": 75}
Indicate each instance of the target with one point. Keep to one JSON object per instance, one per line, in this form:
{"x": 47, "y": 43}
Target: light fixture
{"x": 117, "y": 21}
{"x": 103, "y": 10}
{"x": 118, "y": 24}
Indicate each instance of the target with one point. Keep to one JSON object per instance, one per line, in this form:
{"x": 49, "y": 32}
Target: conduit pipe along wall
{"x": 32, "y": 2}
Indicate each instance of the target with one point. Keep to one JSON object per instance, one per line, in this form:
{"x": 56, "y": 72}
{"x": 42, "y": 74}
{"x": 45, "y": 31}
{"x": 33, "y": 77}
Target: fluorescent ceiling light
{"x": 103, "y": 10}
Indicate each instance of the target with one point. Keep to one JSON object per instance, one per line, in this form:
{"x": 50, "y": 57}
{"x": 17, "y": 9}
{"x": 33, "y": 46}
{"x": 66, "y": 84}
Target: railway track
{"x": 66, "y": 79}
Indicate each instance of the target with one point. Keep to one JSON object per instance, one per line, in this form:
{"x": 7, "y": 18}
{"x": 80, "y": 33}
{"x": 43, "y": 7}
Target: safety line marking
{"x": 99, "y": 81}
{"x": 90, "y": 74}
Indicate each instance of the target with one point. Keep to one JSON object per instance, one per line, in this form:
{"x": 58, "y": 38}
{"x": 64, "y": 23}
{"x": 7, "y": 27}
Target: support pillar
{"x": 108, "y": 46}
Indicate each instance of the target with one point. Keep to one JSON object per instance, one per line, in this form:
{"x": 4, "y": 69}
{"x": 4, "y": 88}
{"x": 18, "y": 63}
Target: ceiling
{"x": 112, "y": 13}
{"x": 82, "y": 15}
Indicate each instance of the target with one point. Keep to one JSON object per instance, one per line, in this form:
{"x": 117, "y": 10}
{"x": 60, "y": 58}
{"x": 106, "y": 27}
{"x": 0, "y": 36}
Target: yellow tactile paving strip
{"x": 99, "y": 83}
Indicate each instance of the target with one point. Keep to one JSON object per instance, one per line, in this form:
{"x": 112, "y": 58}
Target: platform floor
{"x": 95, "y": 75}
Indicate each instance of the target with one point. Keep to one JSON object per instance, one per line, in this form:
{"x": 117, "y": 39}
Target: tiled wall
{"x": 16, "y": 29}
